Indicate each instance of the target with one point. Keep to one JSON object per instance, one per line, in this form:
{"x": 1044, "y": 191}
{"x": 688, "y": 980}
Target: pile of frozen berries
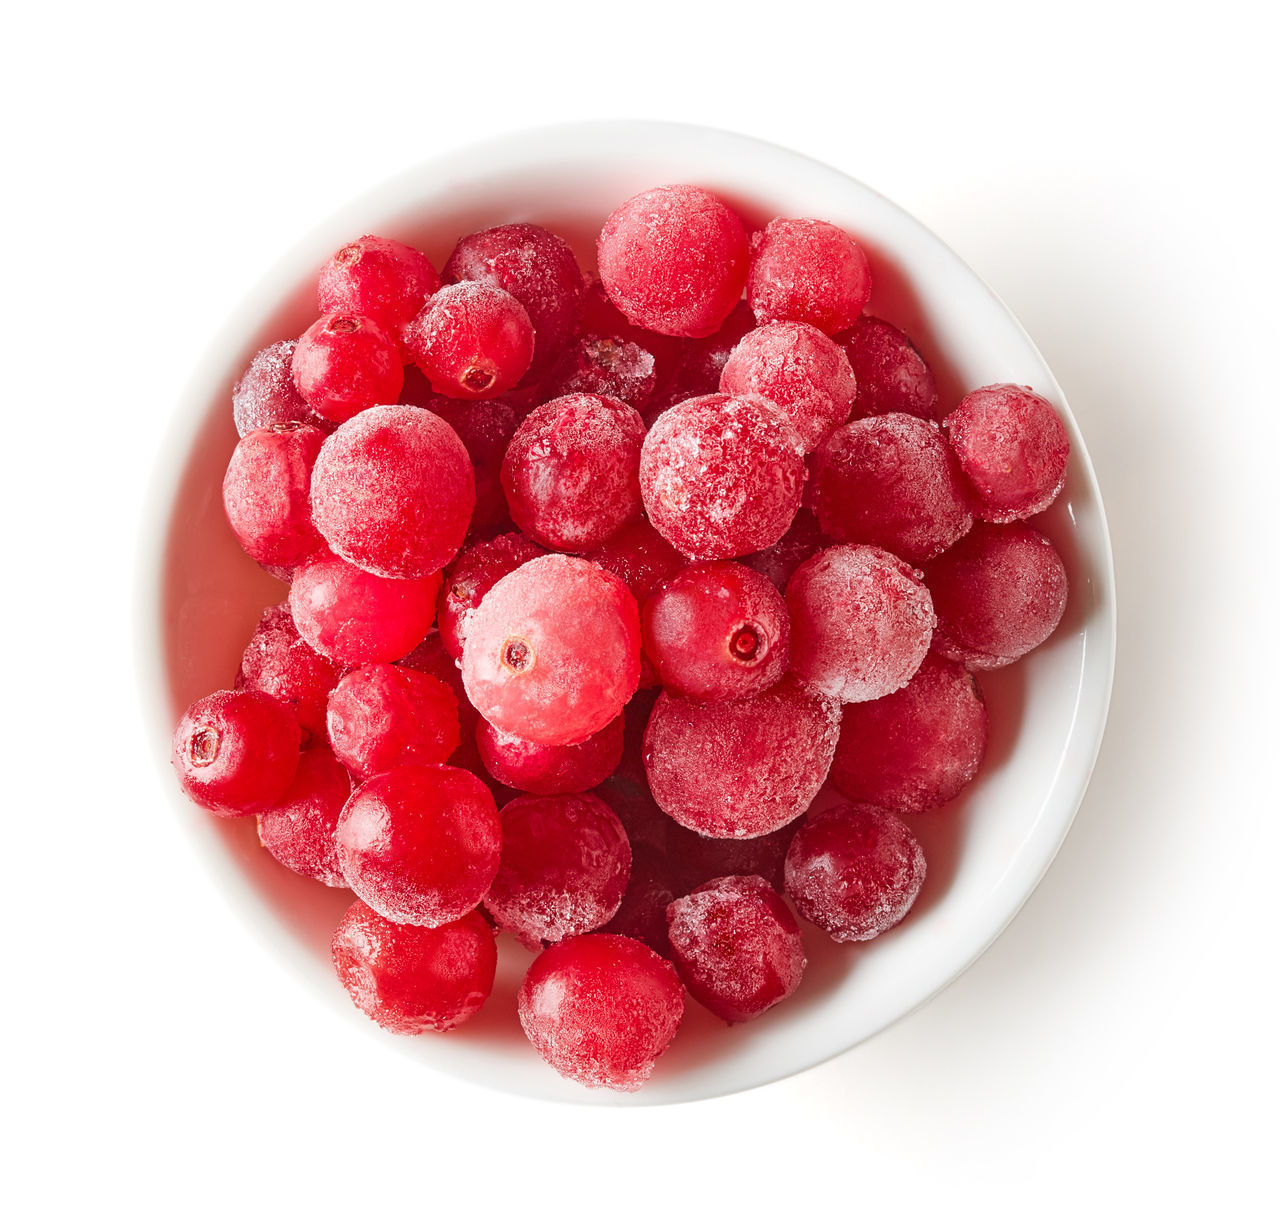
{"x": 648, "y": 558}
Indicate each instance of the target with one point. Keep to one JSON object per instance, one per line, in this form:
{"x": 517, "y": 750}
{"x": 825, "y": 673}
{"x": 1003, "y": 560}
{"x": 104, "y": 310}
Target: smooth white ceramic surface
{"x": 199, "y": 598}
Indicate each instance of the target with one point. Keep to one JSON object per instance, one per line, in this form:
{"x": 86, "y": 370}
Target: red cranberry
{"x": 721, "y": 476}
{"x": 535, "y": 266}
{"x": 571, "y": 472}
{"x": 346, "y": 363}
{"x": 797, "y": 369}
{"x": 736, "y": 946}
{"x": 1012, "y": 447}
{"x": 471, "y": 340}
{"x": 717, "y": 631}
{"x": 265, "y": 395}
{"x": 854, "y": 871}
{"x": 891, "y": 481}
{"x": 409, "y": 979}
{"x": 236, "y": 751}
{"x": 806, "y": 270}
{"x": 674, "y": 260}
{"x": 999, "y": 593}
{"x": 917, "y": 748}
{"x": 298, "y": 830}
{"x": 861, "y": 621}
{"x": 699, "y": 363}
{"x": 553, "y": 652}
{"x": 432, "y": 657}
{"x": 740, "y": 769}
{"x": 532, "y": 768}
{"x": 266, "y": 494}
{"x": 474, "y": 572}
{"x": 642, "y": 915}
{"x": 606, "y": 366}
{"x": 601, "y": 318}
{"x": 640, "y": 557}
{"x": 797, "y": 545}
{"x": 564, "y": 867}
{"x": 601, "y": 1009}
{"x": 892, "y": 376}
{"x": 420, "y": 845}
{"x": 382, "y": 279}
{"x": 384, "y": 716}
{"x": 280, "y": 662}
{"x": 355, "y": 617}
{"x": 393, "y": 491}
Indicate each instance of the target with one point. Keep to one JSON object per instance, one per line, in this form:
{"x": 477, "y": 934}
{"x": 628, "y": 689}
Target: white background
{"x": 1109, "y": 169}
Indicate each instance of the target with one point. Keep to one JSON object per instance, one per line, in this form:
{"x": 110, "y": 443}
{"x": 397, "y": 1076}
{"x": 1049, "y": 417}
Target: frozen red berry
{"x": 861, "y": 622}
{"x": 553, "y": 652}
{"x": 721, "y": 476}
{"x": 344, "y": 364}
{"x": 266, "y": 493}
{"x": 606, "y": 366}
{"x": 917, "y": 748}
{"x": 265, "y": 394}
{"x": 409, "y": 979}
{"x": 601, "y": 318}
{"x": 432, "y": 657}
{"x": 236, "y": 751}
{"x": 698, "y": 859}
{"x": 571, "y": 472}
{"x": 642, "y": 915}
{"x": 280, "y": 662}
{"x": 532, "y": 768}
{"x": 798, "y": 544}
{"x": 717, "y": 631}
{"x": 471, "y": 340}
{"x": 382, "y": 279}
{"x": 535, "y": 266}
{"x": 564, "y": 867}
{"x": 641, "y": 557}
{"x": 893, "y": 377}
{"x": 674, "y": 260}
{"x": 355, "y": 617}
{"x": 385, "y": 716}
{"x": 891, "y": 481}
{"x": 420, "y": 845}
{"x": 392, "y": 491}
{"x": 999, "y": 593}
{"x": 797, "y": 369}
{"x": 474, "y": 572}
{"x": 299, "y": 829}
{"x": 736, "y": 946}
{"x": 740, "y": 769}
{"x": 854, "y": 871}
{"x": 601, "y": 1009}
{"x": 806, "y": 270}
{"x": 1012, "y": 447}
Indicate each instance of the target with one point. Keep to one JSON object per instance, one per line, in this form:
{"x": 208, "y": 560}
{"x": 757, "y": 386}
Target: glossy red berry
{"x": 409, "y": 979}
{"x": 810, "y": 271}
{"x": 236, "y": 751}
{"x": 420, "y": 845}
{"x": 382, "y": 279}
{"x": 601, "y": 1009}
{"x": 641, "y": 557}
{"x": 475, "y": 571}
{"x": 532, "y": 768}
{"x": 280, "y": 662}
{"x": 265, "y": 395}
{"x": 299, "y": 829}
{"x": 344, "y": 364}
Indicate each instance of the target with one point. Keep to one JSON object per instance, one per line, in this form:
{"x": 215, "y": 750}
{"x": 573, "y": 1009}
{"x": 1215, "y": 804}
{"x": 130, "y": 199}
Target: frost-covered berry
{"x": 344, "y": 364}
{"x": 236, "y": 751}
{"x": 299, "y": 829}
{"x": 736, "y": 946}
{"x": 607, "y": 366}
{"x": 409, "y": 979}
{"x": 383, "y": 279}
{"x": 533, "y": 768}
{"x": 571, "y": 472}
{"x": 721, "y": 476}
{"x": 674, "y": 260}
{"x": 893, "y": 377}
{"x": 473, "y": 573}
{"x": 861, "y": 622}
{"x": 601, "y": 1009}
{"x": 740, "y": 769}
{"x": 266, "y": 494}
{"x": 265, "y": 395}
{"x": 917, "y": 748}
{"x": 420, "y": 845}
{"x": 392, "y": 491}
{"x": 280, "y": 662}
{"x": 854, "y": 871}
{"x": 806, "y": 270}
{"x": 1013, "y": 448}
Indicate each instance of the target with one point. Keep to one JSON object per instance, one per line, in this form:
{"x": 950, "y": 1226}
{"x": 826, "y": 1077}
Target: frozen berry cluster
{"x": 594, "y": 582}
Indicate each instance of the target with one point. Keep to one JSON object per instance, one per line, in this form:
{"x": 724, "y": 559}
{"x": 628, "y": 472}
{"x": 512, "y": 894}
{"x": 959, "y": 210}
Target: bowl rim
{"x": 185, "y": 421}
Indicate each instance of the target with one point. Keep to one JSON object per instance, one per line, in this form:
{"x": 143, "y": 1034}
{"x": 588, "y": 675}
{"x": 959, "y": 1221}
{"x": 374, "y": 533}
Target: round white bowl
{"x": 200, "y": 598}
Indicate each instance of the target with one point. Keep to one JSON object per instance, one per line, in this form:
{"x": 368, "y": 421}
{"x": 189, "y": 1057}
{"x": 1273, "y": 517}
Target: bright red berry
{"x": 346, "y": 363}
{"x": 265, "y": 394}
{"x": 806, "y": 270}
{"x": 299, "y": 829}
{"x": 893, "y": 377}
{"x": 382, "y": 279}
{"x": 280, "y": 662}
{"x": 475, "y": 571}
{"x": 533, "y": 768}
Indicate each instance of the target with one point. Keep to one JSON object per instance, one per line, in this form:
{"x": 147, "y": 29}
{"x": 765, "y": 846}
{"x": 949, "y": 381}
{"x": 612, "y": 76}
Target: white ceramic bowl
{"x": 200, "y": 597}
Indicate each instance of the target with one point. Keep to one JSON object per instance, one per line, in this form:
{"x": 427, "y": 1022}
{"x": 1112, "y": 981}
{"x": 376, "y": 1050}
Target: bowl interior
{"x": 201, "y": 598}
